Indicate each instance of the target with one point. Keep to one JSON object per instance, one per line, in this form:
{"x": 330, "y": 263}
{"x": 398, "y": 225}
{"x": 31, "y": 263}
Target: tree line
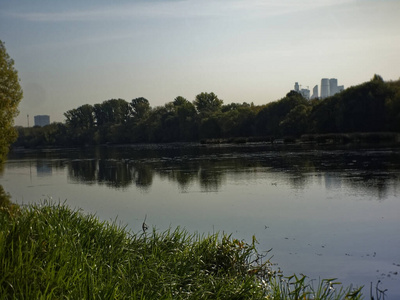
{"x": 373, "y": 106}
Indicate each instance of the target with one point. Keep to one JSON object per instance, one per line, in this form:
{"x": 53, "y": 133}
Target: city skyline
{"x": 75, "y": 53}
{"x": 329, "y": 87}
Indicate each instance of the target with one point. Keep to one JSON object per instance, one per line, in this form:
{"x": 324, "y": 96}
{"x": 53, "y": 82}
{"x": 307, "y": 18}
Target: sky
{"x": 71, "y": 53}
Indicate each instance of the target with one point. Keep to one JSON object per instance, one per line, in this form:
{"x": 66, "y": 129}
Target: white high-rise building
{"x": 329, "y": 87}
{"x": 315, "y": 92}
{"x": 325, "y": 88}
{"x": 333, "y": 87}
{"x": 42, "y": 120}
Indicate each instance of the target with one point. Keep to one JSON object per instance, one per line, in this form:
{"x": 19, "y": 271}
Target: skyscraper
{"x": 296, "y": 86}
{"x": 325, "y": 88}
{"x": 333, "y": 87}
{"x": 315, "y": 92}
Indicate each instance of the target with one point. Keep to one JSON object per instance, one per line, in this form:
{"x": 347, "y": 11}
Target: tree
{"x": 82, "y": 117}
{"x": 140, "y": 108}
{"x": 207, "y": 103}
{"x": 296, "y": 121}
{"x": 10, "y": 96}
{"x": 268, "y": 120}
{"x": 237, "y": 120}
{"x": 114, "y": 111}
{"x": 186, "y": 114}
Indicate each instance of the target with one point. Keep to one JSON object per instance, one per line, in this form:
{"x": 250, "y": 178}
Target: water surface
{"x": 325, "y": 213}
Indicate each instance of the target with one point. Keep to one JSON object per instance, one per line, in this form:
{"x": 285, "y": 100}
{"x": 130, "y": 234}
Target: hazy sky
{"x": 70, "y": 53}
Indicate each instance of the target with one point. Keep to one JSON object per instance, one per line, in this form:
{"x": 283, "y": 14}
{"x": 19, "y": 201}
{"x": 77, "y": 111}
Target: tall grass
{"x": 50, "y": 251}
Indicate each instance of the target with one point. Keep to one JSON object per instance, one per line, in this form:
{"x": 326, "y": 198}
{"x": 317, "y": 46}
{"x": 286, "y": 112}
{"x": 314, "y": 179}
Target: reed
{"x": 49, "y": 251}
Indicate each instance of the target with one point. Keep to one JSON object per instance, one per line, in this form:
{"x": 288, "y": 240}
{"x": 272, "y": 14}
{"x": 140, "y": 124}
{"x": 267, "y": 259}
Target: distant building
{"x": 315, "y": 92}
{"x": 305, "y": 93}
{"x": 325, "y": 92}
{"x": 333, "y": 87}
{"x": 42, "y": 120}
{"x": 329, "y": 87}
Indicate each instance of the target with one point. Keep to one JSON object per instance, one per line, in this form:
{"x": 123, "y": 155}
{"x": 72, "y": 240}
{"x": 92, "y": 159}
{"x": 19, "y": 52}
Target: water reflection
{"x": 295, "y": 200}
{"x": 43, "y": 168}
{"x": 370, "y": 171}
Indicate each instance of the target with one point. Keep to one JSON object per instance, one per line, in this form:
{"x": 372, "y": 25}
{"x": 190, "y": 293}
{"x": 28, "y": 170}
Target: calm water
{"x": 325, "y": 213}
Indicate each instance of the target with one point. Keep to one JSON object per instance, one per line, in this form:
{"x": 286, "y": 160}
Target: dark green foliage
{"x": 10, "y": 96}
{"x": 363, "y": 108}
{"x": 269, "y": 119}
{"x": 207, "y": 103}
{"x": 114, "y": 111}
{"x": 372, "y": 107}
{"x": 82, "y": 117}
{"x": 140, "y": 108}
{"x": 55, "y": 134}
{"x": 237, "y": 120}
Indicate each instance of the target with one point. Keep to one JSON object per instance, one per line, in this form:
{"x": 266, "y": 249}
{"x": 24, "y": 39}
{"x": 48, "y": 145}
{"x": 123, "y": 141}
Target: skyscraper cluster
{"x": 329, "y": 87}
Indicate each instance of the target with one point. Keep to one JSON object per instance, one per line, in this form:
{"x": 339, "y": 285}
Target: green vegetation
{"x": 10, "y": 96}
{"x": 51, "y": 252}
{"x": 371, "y": 107}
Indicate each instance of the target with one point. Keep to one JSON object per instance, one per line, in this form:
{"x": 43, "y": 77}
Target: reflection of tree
{"x": 143, "y": 176}
{"x": 299, "y": 181}
{"x": 184, "y": 177}
{"x": 121, "y": 167}
{"x": 112, "y": 173}
{"x": 184, "y": 173}
{"x": 43, "y": 168}
{"x": 83, "y": 171}
{"x": 373, "y": 184}
{"x": 210, "y": 179}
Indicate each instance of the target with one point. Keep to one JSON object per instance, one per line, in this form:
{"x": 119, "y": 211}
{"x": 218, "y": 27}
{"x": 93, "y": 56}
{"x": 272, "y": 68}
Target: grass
{"x": 49, "y": 251}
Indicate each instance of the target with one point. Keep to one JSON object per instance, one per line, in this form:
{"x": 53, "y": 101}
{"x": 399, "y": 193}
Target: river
{"x": 326, "y": 213}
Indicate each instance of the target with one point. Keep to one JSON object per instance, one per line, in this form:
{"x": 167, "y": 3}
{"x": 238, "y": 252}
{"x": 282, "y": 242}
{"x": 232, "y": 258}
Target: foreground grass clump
{"x": 52, "y": 252}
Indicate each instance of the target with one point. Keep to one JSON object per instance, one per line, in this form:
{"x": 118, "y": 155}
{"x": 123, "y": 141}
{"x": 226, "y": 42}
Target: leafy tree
{"x": 296, "y": 121}
{"x": 140, "y": 108}
{"x": 54, "y": 134}
{"x": 10, "y": 96}
{"x": 82, "y": 117}
{"x": 179, "y": 101}
{"x": 154, "y": 128}
{"x": 237, "y": 120}
{"x": 186, "y": 114}
{"x": 114, "y": 111}
{"x": 323, "y": 116}
{"x": 268, "y": 120}
{"x": 207, "y": 103}
{"x": 233, "y": 106}
{"x": 393, "y": 106}
{"x": 210, "y": 127}
{"x": 362, "y": 108}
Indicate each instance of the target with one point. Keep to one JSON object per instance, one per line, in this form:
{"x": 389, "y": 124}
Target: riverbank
{"x": 372, "y": 139}
{"x": 52, "y": 251}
